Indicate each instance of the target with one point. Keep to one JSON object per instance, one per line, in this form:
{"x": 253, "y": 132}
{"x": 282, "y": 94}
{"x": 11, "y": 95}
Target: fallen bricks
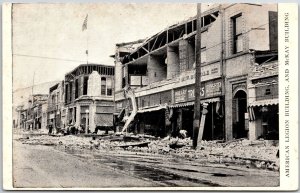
{"x": 259, "y": 154}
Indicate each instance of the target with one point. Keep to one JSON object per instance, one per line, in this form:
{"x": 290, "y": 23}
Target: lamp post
{"x": 86, "y": 121}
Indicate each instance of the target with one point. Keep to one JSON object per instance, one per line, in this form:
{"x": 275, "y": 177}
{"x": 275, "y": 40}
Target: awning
{"x": 102, "y": 119}
{"x": 212, "y": 100}
{"x": 191, "y": 103}
{"x": 264, "y": 103}
{"x": 186, "y": 104}
{"x": 152, "y": 109}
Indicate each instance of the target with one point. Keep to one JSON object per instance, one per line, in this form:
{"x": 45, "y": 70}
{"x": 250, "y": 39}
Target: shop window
{"x": 76, "y": 89}
{"x": 67, "y": 93}
{"x": 109, "y": 87}
{"x": 75, "y": 114}
{"x": 70, "y": 92}
{"x": 85, "y": 85}
{"x": 103, "y": 86}
{"x": 237, "y": 33}
{"x": 53, "y": 100}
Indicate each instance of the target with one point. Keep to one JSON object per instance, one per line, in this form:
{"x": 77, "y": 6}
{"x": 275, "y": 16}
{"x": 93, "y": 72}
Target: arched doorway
{"x": 239, "y": 108}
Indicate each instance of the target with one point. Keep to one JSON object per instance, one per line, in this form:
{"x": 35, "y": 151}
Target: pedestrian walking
{"x": 50, "y": 127}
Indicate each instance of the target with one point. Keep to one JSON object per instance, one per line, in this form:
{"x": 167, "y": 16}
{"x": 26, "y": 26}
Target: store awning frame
{"x": 103, "y": 119}
{"x": 266, "y": 102}
{"x": 151, "y": 109}
{"x": 191, "y": 103}
{"x": 185, "y": 104}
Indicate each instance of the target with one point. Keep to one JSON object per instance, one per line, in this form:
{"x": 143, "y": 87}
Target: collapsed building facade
{"x": 155, "y": 78}
{"x": 88, "y": 97}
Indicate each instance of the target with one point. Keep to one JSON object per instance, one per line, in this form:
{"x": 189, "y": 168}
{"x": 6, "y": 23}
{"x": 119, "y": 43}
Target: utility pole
{"x": 197, "y": 104}
{"x": 32, "y": 98}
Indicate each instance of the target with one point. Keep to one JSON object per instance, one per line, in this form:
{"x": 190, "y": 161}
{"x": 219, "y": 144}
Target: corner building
{"x": 89, "y": 96}
{"x": 237, "y": 40}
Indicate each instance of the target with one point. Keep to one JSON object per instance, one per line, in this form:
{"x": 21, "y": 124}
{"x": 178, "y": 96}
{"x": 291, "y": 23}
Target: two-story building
{"x": 161, "y": 72}
{"x": 56, "y": 105}
{"x": 88, "y": 98}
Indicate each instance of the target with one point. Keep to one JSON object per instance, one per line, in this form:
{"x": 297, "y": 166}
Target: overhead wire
{"x": 82, "y": 61}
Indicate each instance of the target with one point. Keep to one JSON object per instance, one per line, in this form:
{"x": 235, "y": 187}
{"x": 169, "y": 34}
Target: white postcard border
{"x": 286, "y": 183}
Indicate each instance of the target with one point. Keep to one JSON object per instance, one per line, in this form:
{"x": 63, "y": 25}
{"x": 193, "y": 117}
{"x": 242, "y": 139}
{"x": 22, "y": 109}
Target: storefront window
{"x": 85, "y": 85}
{"x": 109, "y": 87}
{"x": 237, "y": 33}
{"x": 103, "y": 86}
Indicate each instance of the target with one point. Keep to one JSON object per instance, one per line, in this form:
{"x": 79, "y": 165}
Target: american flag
{"x": 84, "y": 25}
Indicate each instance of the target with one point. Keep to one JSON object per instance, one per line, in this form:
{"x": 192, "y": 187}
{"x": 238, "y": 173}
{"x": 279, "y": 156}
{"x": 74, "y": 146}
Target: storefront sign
{"x": 180, "y": 95}
{"x": 213, "y": 89}
{"x": 210, "y": 71}
{"x": 207, "y": 73}
{"x": 208, "y": 90}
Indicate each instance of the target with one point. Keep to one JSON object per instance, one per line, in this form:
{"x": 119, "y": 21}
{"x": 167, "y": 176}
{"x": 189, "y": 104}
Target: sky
{"x": 48, "y": 40}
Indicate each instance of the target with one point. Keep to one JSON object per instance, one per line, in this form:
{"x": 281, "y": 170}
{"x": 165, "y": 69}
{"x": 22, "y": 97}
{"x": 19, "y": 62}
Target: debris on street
{"x": 259, "y": 154}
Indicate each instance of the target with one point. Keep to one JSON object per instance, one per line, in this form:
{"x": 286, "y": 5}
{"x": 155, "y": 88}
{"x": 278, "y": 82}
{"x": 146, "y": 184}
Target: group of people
{"x": 71, "y": 129}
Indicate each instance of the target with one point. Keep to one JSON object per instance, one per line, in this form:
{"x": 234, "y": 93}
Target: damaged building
{"x": 155, "y": 78}
{"x": 88, "y": 97}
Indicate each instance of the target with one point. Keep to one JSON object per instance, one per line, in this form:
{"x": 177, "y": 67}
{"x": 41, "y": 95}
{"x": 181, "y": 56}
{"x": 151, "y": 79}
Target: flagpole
{"x": 84, "y": 27}
{"x": 87, "y": 47}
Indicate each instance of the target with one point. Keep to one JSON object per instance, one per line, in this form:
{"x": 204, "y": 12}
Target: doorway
{"x": 239, "y": 108}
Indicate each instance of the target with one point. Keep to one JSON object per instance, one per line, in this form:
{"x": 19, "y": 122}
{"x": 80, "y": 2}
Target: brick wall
{"x": 157, "y": 69}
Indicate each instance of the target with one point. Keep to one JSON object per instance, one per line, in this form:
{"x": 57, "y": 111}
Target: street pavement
{"x": 57, "y": 167}
{"x": 43, "y": 166}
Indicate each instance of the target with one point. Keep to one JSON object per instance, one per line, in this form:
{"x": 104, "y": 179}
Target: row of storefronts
{"x": 32, "y": 114}
{"x": 239, "y": 80}
{"x": 240, "y": 102}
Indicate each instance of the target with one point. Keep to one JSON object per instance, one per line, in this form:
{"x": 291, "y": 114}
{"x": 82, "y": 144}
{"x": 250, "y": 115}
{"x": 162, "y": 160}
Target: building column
{"x": 92, "y": 112}
{"x": 228, "y": 110}
{"x": 252, "y": 124}
{"x": 172, "y": 62}
{"x": 156, "y": 71}
{"x": 183, "y": 55}
{"x": 118, "y": 76}
{"x": 78, "y": 115}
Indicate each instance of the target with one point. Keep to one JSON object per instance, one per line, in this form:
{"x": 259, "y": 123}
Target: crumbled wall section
{"x": 172, "y": 62}
{"x": 213, "y": 46}
{"x": 94, "y": 84}
{"x": 156, "y": 69}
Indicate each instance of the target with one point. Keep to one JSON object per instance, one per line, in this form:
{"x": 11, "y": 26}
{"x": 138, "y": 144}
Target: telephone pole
{"x": 197, "y": 105}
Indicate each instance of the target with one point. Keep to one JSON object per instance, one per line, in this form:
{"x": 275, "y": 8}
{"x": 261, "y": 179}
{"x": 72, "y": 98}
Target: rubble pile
{"x": 259, "y": 154}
